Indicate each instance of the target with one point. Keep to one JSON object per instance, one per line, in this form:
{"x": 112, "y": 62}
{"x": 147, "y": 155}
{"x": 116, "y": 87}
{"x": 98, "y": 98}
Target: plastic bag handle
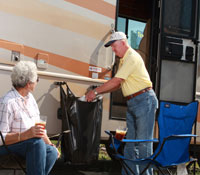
{"x": 69, "y": 92}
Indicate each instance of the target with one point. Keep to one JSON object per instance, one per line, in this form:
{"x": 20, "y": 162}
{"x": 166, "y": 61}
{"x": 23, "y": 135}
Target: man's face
{"x": 117, "y": 48}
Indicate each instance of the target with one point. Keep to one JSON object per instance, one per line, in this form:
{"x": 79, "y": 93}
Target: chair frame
{"x": 150, "y": 161}
{"x": 154, "y": 160}
{"x": 11, "y": 156}
{"x": 18, "y": 165}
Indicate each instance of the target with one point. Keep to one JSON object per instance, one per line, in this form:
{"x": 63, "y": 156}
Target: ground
{"x": 103, "y": 166}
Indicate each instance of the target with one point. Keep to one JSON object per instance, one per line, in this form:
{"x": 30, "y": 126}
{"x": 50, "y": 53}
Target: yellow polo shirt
{"x": 133, "y": 71}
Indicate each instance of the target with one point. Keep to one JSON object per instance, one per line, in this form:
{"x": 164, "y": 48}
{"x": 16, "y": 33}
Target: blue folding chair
{"x": 175, "y": 127}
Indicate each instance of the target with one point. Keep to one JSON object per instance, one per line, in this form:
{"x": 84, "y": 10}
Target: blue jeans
{"x": 40, "y": 157}
{"x": 140, "y": 120}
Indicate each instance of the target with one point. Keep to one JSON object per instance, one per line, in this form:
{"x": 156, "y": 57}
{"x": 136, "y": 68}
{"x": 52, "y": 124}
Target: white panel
{"x": 5, "y": 54}
{"x": 177, "y": 81}
{"x": 113, "y": 2}
{"x": 190, "y": 43}
{"x": 53, "y": 39}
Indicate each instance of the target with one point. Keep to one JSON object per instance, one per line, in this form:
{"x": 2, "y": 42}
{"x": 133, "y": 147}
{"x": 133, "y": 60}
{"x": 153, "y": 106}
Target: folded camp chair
{"x": 175, "y": 127}
{"x": 11, "y": 161}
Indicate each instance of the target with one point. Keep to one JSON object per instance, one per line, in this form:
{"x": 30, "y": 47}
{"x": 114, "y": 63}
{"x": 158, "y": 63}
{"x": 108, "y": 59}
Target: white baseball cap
{"x": 114, "y": 37}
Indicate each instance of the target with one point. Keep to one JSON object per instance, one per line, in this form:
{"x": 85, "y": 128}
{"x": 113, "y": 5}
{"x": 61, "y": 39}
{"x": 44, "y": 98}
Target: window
{"x": 121, "y": 24}
{"x": 134, "y": 30}
{"x": 178, "y": 18}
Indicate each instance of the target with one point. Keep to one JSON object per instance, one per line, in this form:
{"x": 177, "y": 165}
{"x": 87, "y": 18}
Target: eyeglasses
{"x": 37, "y": 80}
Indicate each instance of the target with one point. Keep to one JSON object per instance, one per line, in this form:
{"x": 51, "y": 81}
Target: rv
{"x": 65, "y": 38}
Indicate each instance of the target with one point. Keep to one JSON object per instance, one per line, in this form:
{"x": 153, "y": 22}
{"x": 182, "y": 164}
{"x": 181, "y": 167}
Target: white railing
{"x": 61, "y": 76}
{"x": 198, "y": 94}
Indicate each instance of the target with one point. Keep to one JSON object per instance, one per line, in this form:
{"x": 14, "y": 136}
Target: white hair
{"x": 24, "y": 72}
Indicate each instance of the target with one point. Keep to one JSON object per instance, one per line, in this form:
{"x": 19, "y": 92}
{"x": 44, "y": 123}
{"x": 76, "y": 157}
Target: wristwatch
{"x": 95, "y": 92}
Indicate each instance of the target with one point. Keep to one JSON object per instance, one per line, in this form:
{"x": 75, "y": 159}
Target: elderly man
{"x": 142, "y": 103}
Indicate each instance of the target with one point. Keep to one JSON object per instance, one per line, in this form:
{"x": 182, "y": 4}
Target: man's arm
{"x": 109, "y": 86}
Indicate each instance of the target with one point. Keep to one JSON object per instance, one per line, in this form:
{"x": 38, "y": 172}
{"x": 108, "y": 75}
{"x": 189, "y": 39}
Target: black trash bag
{"x": 83, "y": 119}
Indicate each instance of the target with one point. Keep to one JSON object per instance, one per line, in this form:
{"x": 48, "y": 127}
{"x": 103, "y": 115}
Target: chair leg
{"x": 19, "y": 163}
{"x": 169, "y": 172}
{"x": 161, "y": 171}
{"x": 194, "y": 169}
{"x": 145, "y": 169}
{"x": 126, "y": 167}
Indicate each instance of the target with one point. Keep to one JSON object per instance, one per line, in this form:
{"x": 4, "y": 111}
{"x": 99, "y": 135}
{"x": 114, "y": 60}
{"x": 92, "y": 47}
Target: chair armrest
{"x": 131, "y": 140}
{"x": 185, "y": 135}
{"x": 180, "y": 136}
{"x": 13, "y": 156}
{"x": 134, "y": 141}
{"x": 59, "y": 137}
{"x": 108, "y": 132}
{"x": 156, "y": 140}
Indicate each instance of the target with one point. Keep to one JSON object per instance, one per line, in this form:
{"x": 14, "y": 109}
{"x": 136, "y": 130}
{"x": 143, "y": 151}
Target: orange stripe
{"x": 198, "y": 114}
{"x": 59, "y": 61}
{"x": 12, "y": 46}
{"x": 98, "y": 6}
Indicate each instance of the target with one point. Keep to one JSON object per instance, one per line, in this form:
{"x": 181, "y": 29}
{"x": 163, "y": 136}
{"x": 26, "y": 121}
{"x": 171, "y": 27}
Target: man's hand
{"x": 90, "y": 96}
{"x": 110, "y": 86}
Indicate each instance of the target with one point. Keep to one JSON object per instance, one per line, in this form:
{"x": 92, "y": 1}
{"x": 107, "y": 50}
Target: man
{"x": 142, "y": 103}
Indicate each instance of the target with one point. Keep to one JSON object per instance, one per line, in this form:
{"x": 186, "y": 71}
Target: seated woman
{"x": 18, "y": 113}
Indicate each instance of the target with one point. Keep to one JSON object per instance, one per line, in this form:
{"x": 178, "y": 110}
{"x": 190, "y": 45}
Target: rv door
{"x": 178, "y": 50}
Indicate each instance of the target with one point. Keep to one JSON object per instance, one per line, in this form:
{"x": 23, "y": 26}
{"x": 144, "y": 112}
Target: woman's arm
{"x": 34, "y": 132}
{"x": 48, "y": 141}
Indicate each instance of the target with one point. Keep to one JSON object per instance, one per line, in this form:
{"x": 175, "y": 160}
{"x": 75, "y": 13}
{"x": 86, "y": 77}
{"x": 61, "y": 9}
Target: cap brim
{"x": 109, "y": 43}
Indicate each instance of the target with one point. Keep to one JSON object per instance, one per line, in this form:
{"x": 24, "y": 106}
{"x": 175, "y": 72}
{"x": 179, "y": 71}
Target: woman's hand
{"x": 58, "y": 152}
{"x": 56, "y": 149}
{"x": 36, "y": 131}
{"x": 48, "y": 141}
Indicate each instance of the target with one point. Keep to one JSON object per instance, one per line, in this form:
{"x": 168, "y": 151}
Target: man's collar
{"x": 126, "y": 53}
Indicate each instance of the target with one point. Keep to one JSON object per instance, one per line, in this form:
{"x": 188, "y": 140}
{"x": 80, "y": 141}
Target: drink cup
{"x": 42, "y": 121}
{"x": 120, "y": 133}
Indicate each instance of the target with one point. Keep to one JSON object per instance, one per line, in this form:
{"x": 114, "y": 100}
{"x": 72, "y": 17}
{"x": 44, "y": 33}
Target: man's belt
{"x": 138, "y": 93}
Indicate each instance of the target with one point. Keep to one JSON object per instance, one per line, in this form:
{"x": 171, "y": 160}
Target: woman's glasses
{"x": 35, "y": 81}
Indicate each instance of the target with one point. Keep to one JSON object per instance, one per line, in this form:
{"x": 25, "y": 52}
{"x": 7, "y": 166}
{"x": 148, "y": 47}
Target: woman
{"x": 18, "y": 113}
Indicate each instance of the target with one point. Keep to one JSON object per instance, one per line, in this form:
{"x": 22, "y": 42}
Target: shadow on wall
{"x": 48, "y": 107}
{"x": 95, "y": 55}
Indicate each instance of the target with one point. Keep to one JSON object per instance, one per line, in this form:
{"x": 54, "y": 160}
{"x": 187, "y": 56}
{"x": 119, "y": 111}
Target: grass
{"x": 55, "y": 142}
{"x": 197, "y": 168}
{"x": 103, "y": 155}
